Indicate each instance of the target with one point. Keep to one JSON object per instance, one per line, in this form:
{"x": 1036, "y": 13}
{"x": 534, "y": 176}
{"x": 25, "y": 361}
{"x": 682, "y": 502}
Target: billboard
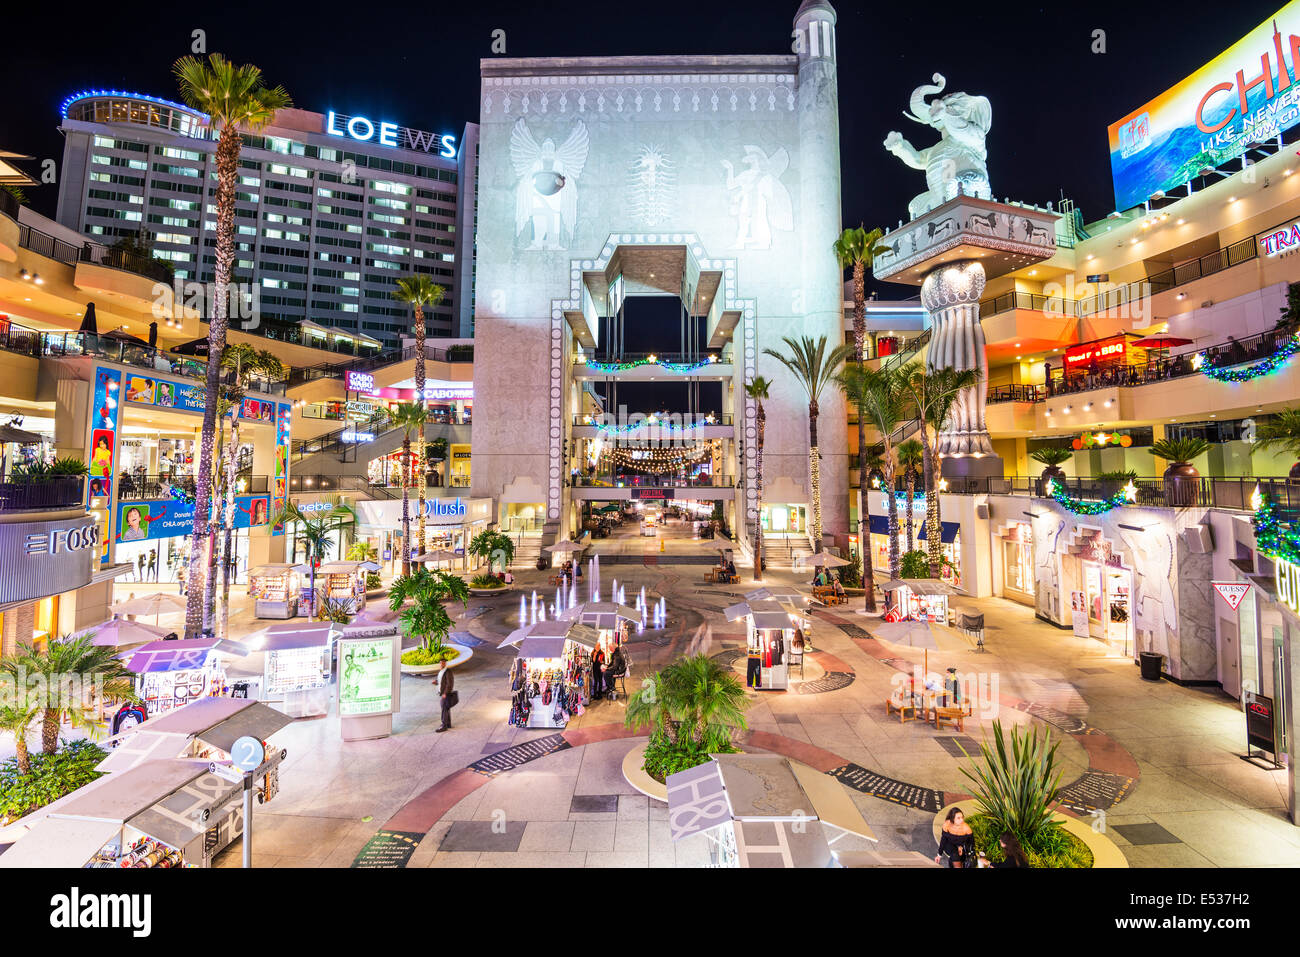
{"x": 164, "y": 518}
{"x": 1247, "y": 94}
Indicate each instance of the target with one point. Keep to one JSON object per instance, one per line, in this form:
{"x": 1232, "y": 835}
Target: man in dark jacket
{"x": 446, "y": 688}
{"x": 617, "y": 665}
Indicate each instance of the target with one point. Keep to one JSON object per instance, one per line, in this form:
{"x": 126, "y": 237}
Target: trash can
{"x": 1151, "y": 663}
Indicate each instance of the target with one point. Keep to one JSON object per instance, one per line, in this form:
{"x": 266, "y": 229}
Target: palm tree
{"x": 420, "y": 291}
{"x": 758, "y": 391}
{"x": 647, "y": 707}
{"x": 707, "y": 698}
{"x": 933, "y": 394}
{"x": 813, "y": 368}
{"x": 244, "y": 363}
{"x": 1281, "y": 430}
{"x": 235, "y": 99}
{"x": 68, "y": 671}
{"x": 410, "y": 417}
{"x": 856, "y": 249}
{"x": 17, "y": 719}
{"x": 426, "y": 617}
{"x": 492, "y": 545}
{"x": 910, "y": 455}
{"x": 882, "y": 398}
{"x": 316, "y": 533}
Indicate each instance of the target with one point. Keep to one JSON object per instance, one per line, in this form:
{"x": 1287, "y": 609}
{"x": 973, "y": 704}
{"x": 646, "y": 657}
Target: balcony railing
{"x": 1205, "y": 492}
{"x": 675, "y": 420}
{"x": 146, "y": 266}
{"x": 137, "y": 487}
{"x": 42, "y": 493}
{"x": 720, "y": 357}
{"x": 628, "y": 480}
{"x": 456, "y": 353}
{"x": 1159, "y": 369}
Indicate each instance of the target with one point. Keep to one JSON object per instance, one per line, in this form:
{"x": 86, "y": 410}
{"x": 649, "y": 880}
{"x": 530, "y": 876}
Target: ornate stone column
{"x": 951, "y": 295}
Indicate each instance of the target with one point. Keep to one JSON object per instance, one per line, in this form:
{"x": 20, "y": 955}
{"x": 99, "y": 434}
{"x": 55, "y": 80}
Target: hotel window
{"x": 172, "y": 153}
{"x": 107, "y": 142}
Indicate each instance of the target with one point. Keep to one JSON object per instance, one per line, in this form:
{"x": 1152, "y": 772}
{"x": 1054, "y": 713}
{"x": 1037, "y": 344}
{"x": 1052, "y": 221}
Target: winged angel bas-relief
{"x": 546, "y": 194}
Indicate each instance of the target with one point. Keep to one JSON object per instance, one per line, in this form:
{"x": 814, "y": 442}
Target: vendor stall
{"x": 344, "y": 584}
{"x": 763, "y": 810}
{"x": 276, "y": 588}
{"x": 771, "y": 627}
{"x": 917, "y": 599}
{"x": 550, "y": 680}
{"x": 170, "y": 674}
{"x": 296, "y": 667}
{"x": 613, "y": 622}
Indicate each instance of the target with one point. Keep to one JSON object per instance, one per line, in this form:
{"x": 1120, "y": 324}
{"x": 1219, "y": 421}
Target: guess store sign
{"x": 1107, "y": 350}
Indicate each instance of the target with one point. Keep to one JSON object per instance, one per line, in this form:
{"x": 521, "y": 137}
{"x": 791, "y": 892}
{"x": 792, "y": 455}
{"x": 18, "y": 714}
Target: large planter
{"x": 1182, "y": 483}
{"x": 1051, "y": 472}
{"x": 465, "y": 655}
{"x": 1295, "y": 471}
{"x": 1105, "y": 852}
{"x": 483, "y": 592}
{"x": 636, "y": 777}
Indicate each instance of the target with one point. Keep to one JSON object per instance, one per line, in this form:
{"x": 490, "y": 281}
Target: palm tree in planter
{"x": 693, "y": 707}
{"x": 1052, "y": 457}
{"x": 69, "y": 670}
{"x": 882, "y": 399}
{"x": 17, "y": 719}
{"x": 235, "y": 99}
{"x": 910, "y": 458}
{"x": 814, "y": 369}
{"x": 411, "y": 418}
{"x": 1281, "y": 430}
{"x": 492, "y": 546}
{"x": 758, "y": 391}
{"x": 426, "y": 616}
{"x": 933, "y": 394}
{"x": 1181, "y": 477}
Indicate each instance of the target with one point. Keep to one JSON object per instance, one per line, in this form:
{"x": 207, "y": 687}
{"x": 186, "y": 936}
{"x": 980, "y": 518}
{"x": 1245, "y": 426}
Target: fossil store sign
{"x": 38, "y": 559}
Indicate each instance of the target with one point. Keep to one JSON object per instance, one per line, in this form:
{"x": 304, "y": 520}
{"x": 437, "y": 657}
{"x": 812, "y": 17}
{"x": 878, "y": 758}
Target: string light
{"x": 1270, "y": 537}
{"x": 1084, "y": 507}
{"x": 1089, "y": 439}
{"x": 679, "y": 367}
{"x": 1274, "y": 362}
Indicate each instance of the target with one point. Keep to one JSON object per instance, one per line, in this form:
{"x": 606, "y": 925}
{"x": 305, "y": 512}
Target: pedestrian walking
{"x": 140, "y": 560}
{"x": 180, "y": 579}
{"x": 153, "y": 564}
{"x": 446, "y": 694}
{"x": 597, "y": 673}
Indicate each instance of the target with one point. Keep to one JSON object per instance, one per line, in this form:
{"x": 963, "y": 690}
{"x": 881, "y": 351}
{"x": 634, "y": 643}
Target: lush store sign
{"x": 365, "y": 130}
{"x": 1248, "y": 94}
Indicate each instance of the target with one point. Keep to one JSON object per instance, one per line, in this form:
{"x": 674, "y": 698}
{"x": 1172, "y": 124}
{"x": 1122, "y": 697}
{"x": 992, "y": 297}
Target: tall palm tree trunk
{"x": 21, "y": 755}
{"x": 911, "y": 496}
{"x": 814, "y": 471}
{"x": 422, "y": 477}
{"x": 228, "y": 536}
{"x": 761, "y": 418}
{"x": 891, "y": 503}
{"x": 50, "y": 730}
{"x": 227, "y": 171}
{"x": 859, "y": 353}
{"x": 932, "y": 533}
{"x": 406, "y": 507}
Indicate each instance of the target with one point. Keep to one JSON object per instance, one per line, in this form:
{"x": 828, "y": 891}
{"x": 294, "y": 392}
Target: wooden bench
{"x": 711, "y": 576}
{"x": 903, "y": 706}
{"x": 954, "y": 716}
{"x": 826, "y": 594}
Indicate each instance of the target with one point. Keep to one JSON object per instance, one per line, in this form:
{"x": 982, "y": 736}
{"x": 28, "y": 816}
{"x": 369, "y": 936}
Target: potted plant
{"x": 693, "y": 707}
{"x": 426, "y": 617}
{"x": 1052, "y": 457}
{"x": 1282, "y": 431}
{"x": 492, "y": 546}
{"x": 1181, "y": 477}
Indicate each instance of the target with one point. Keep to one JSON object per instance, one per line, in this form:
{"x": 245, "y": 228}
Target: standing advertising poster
{"x": 283, "y": 416}
{"x": 1079, "y": 614}
{"x": 366, "y": 675}
{"x": 102, "y": 458}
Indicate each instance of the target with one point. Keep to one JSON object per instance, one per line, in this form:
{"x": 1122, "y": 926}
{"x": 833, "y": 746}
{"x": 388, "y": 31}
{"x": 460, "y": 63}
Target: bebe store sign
{"x": 38, "y": 559}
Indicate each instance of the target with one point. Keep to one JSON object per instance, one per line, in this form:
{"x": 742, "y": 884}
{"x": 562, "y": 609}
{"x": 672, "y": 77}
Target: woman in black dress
{"x": 957, "y": 841}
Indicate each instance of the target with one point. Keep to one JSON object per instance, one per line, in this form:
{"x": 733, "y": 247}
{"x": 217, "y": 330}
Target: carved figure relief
{"x": 546, "y": 192}
{"x": 758, "y": 199}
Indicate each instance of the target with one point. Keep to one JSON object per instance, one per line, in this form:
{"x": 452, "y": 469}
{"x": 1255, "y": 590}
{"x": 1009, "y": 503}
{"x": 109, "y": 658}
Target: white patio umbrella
{"x": 824, "y": 558}
{"x": 156, "y": 604}
{"x": 120, "y": 633}
{"x": 438, "y": 555}
{"x": 564, "y": 546}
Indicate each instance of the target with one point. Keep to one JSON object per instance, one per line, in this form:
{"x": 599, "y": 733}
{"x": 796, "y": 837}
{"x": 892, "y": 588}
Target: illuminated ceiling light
{"x": 24, "y": 274}
{"x": 1106, "y": 403}
{"x": 1017, "y": 357}
{"x": 36, "y": 278}
{"x": 1088, "y": 407}
{"x": 1067, "y": 409}
{"x": 1181, "y": 221}
{"x": 1232, "y": 199}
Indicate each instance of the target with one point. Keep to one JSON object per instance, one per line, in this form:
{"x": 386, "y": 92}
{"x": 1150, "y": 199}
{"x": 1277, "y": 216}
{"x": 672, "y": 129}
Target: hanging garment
{"x": 754, "y": 671}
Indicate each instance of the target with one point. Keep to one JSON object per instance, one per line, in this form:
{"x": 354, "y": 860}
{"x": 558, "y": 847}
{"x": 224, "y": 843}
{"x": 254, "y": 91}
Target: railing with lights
{"x": 679, "y": 363}
{"x": 1203, "y": 492}
{"x": 630, "y": 480}
{"x": 681, "y": 421}
{"x": 137, "y": 487}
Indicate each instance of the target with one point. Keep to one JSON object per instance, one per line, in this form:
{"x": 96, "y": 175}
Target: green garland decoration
{"x": 1079, "y": 506}
{"x": 1271, "y": 537}
{"x": 1270, "y": 365}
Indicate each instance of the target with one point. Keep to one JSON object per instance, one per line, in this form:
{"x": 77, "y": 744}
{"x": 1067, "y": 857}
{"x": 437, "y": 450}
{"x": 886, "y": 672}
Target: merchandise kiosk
{"x": 345, "y": 583}
{"x": 763, "y": 810}
{"x": 613, "y": 622}
{"x": 168, "y": 796}
{"x": 170, "y": 674}
{"x": 770, "y": 627}
{"x": 276, "y": 588}
{"x": 917, "y": 599}
{"x": 296, "y": 667}
{"x": 550, "y": 680}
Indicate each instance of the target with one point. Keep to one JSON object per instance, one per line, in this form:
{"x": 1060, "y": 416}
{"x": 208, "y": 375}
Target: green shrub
{"x": 851, "y": 574}
{"x": 51, "y": 777}
{"x": 663, "y": 756}
{"x": 423, "y": 656}
{"x": 1052, "y": 846}
{"x": 916, "y": 564}
{"x": 486, "y": 581}
{"x": 373, "y": 581}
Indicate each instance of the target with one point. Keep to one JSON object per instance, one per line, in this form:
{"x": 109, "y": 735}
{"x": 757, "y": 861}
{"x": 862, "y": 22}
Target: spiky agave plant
{"x": 1016, "y": 782}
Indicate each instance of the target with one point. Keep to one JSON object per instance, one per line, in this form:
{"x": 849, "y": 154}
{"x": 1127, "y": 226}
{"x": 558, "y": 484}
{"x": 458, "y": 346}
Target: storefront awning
{"x": 542, "y": 646}
{"x": 948, "y": 531}
{"x": 182, "y": 654}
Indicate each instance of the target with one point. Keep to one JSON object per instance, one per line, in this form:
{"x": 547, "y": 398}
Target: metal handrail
{"x": 1205, "y": 492}
{"x": 597, "y": 420}
{"x": 629, "y": 480}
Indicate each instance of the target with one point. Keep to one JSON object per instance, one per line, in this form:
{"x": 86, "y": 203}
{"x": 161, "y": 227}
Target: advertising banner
{"x": 164, "y": 518}
{"x": 365, "y": 676}
{"x": 1247, "y": 94}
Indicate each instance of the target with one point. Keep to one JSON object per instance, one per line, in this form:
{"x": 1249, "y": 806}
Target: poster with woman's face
{"x": 259, "y": 516}
{"x": 135, "y": 524}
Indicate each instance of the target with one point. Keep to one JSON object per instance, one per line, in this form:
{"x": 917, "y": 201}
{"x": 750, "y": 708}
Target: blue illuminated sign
{"x": 365, "y": 130}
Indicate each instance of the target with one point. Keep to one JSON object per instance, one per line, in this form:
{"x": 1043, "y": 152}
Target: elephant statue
{"x": 956, "y": 164}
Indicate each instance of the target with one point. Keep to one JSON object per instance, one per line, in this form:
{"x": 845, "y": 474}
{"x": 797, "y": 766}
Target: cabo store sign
{"x": 365, "y": 130}
{"x": 1248, "y": 94}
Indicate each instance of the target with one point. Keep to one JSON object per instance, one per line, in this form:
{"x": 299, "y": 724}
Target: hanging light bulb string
{"x": 1090, "y": 507}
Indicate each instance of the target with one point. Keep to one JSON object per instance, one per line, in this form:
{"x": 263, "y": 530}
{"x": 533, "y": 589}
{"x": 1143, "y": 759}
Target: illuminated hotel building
{"x": 330, "y": 210}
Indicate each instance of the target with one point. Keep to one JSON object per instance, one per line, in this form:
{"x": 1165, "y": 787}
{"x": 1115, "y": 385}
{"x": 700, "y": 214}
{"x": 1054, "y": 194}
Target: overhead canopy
{"x": 120, "y": 632}
{"x": 59, "y": 842}
{"x": 768, "y": 620}
{"x": 738, "y": 610}
{"x": 781, "y": 844}
{"x": 127, "y": 794}
{"x": 182, "y": 655}
{"x": 218, "y": 722}
{"x": 275, "y": 568}
{"x": 542, "y": 646}
{"x": 697, "y": 800}
{"x": 777, "y": 593}
{"x": 831, "y": 802}
{"x": 600, "y": 614}
{"x": 290, "y": 635}
{"x": 140, "y": 746}
{"x": 256, "y": 721}
{"x": 921, "y": 586}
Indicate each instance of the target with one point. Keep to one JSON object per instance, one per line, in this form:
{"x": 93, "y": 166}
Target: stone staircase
{"x": 528, "y": 548}
{"x": 782, "y": 549}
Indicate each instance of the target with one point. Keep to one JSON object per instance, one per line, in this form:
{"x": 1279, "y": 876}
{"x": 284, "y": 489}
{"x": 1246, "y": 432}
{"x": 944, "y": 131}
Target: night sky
{"x": 1052, "y": 97}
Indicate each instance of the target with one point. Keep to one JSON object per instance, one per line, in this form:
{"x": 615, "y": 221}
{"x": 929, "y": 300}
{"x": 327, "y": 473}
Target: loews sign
{"x": 365, "y": 130}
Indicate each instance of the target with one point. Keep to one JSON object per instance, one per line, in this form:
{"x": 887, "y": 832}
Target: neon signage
{"x": 1100, "y": 351}
{"x": 437, "y": 508}
{"x": 1280, "y": 240}
{"x": 360, "y": 382}
{"x": 365, "y": 130}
